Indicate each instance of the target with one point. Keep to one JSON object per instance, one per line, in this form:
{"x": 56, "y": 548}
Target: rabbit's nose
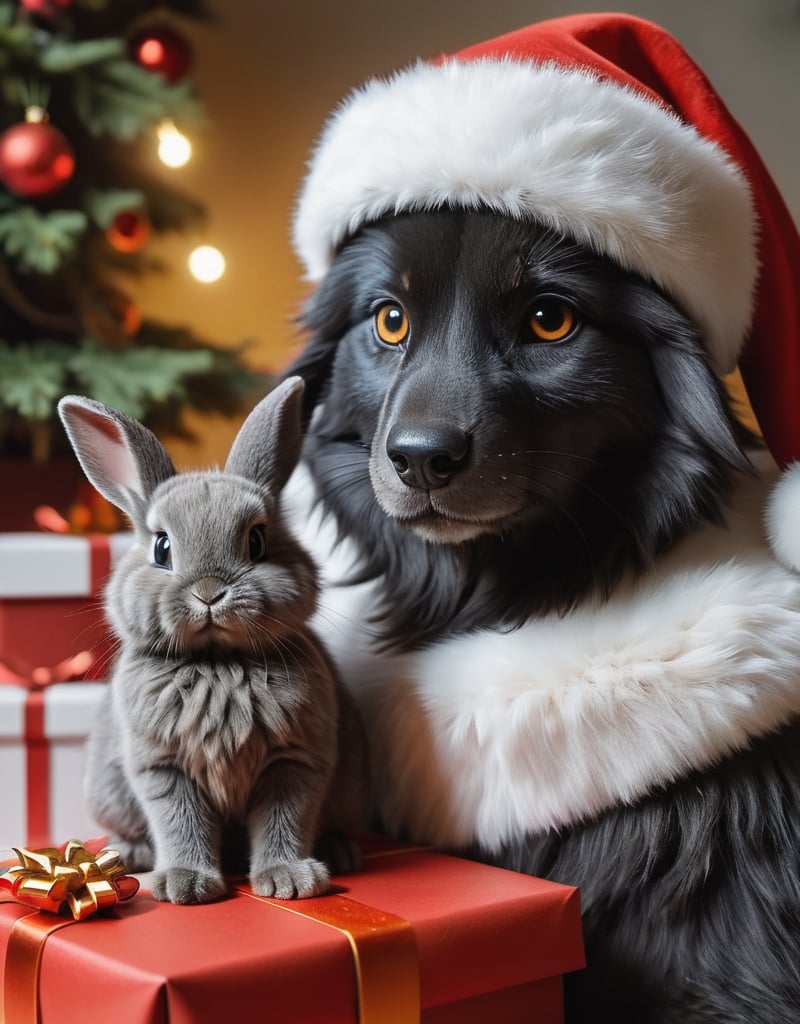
{"x": 209, "y": 589}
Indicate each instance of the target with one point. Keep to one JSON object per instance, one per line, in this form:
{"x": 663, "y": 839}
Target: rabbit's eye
{"x": 162, "y": 553}
{"x": 257, "y": 540}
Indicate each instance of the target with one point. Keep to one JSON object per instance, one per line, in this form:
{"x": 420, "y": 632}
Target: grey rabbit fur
{"x": 223, "y": 708}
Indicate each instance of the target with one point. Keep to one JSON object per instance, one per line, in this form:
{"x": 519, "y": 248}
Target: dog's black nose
{"x": 427, "y": 456}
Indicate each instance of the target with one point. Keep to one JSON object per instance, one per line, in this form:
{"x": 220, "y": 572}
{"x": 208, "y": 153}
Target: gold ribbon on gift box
{"x": 74, "y": 881}
{"x": 384, "y": 952}
{"x": 383, "y": 945}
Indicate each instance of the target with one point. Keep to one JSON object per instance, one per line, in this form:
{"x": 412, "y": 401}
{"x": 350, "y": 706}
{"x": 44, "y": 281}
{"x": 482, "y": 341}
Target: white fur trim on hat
{"x": 590, "y": 158}
{"x": 783, "y": 518}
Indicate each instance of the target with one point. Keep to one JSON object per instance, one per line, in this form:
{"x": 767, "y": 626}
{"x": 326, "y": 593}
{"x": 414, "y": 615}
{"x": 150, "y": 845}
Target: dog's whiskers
{"x": 601, "y": 499}
{"x": 562, "y": 511}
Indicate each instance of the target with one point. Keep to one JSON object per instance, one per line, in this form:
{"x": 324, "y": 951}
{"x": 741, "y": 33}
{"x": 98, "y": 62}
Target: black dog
{"x": 507, "y": 427}
{"x": 510, "y": 422}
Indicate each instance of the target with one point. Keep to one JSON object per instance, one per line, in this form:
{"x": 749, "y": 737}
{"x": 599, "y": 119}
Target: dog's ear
{"x": 687, "y": 473}
{"x": 325, "y": 318}
{"x": 696, "y": 400}
{"x": 698, "y": 403}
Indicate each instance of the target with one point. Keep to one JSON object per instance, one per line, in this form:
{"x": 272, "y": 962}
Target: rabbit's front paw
{"x": 183, "y": 885}
{"x": 294, "y": 879}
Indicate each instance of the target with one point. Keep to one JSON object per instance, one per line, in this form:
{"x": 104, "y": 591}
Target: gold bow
{"x": 76, "y": 880}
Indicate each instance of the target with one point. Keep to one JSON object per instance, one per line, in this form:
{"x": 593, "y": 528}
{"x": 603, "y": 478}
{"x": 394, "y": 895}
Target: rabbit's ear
{"x": 119, "y": 456}
{"x": 267, "y": 447}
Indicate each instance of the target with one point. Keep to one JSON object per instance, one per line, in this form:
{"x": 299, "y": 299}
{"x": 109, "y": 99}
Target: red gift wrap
{"x": 413, "y": 936}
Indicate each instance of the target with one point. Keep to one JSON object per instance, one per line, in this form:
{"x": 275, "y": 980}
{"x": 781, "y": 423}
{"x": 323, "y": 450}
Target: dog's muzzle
{"x": 427, "y": 456}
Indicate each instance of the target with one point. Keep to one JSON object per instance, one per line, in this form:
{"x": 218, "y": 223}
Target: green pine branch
{"x": 63, "y": 315}
{"x": 134, "y": 380}
{"x": 120, "y": 99}
{"x": 152, "y": 382}
{"x": 39, "y": 242}
{"x": 63, "y": 56}
{"x": 103, "y": 205}
{"x": 33, "y": 378}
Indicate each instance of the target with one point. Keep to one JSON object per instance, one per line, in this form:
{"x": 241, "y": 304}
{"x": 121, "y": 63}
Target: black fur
{"x": 603, "y": 449}
{"x": 691, "y": 898}
{"x": 585, "y": 459}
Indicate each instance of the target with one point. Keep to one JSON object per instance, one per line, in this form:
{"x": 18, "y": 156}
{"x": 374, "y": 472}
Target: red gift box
{"x": 51, "y": 604}
{"x": 413, "y": 936}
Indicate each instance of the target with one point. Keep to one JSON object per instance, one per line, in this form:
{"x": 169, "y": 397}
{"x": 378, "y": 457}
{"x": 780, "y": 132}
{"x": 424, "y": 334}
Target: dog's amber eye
{"x": 391, "y": 323}
{"x": 551, "y": 319}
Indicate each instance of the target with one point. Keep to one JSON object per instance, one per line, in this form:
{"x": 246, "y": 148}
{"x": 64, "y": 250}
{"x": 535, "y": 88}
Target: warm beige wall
{"x": 270, "y": 76}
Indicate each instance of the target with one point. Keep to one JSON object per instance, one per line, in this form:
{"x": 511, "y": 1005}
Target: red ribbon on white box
{"x": 37, "y": 749}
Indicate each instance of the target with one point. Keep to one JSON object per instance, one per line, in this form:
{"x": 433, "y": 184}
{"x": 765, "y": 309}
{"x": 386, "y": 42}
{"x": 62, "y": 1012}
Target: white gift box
{"x": 38, "y": 564}
{"x": 57, "y": 803}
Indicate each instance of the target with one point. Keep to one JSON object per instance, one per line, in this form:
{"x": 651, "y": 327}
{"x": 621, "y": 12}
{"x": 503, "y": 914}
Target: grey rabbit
{"x": 223, "y": 708}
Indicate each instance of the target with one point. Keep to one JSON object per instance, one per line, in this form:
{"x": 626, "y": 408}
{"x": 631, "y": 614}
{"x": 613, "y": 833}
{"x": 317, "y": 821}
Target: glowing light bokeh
{"x": 206, "y": 264}
{"x": 174, "y": 149}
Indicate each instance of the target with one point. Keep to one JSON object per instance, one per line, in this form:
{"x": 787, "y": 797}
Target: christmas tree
{"x": 87, "y": 87}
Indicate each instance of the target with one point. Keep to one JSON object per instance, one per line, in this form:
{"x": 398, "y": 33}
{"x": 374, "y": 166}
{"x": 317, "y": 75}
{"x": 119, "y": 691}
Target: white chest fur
{"x": 493, "y": 734}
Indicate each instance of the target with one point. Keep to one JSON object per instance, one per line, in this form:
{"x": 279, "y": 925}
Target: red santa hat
{"x": 603, "y": 128}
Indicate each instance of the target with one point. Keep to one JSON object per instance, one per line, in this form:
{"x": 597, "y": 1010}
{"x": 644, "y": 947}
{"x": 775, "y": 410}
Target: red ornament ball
{"x": 35, "y": 159}
{"x": 129, "y": 231}
{"x": 163, "y": 50}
